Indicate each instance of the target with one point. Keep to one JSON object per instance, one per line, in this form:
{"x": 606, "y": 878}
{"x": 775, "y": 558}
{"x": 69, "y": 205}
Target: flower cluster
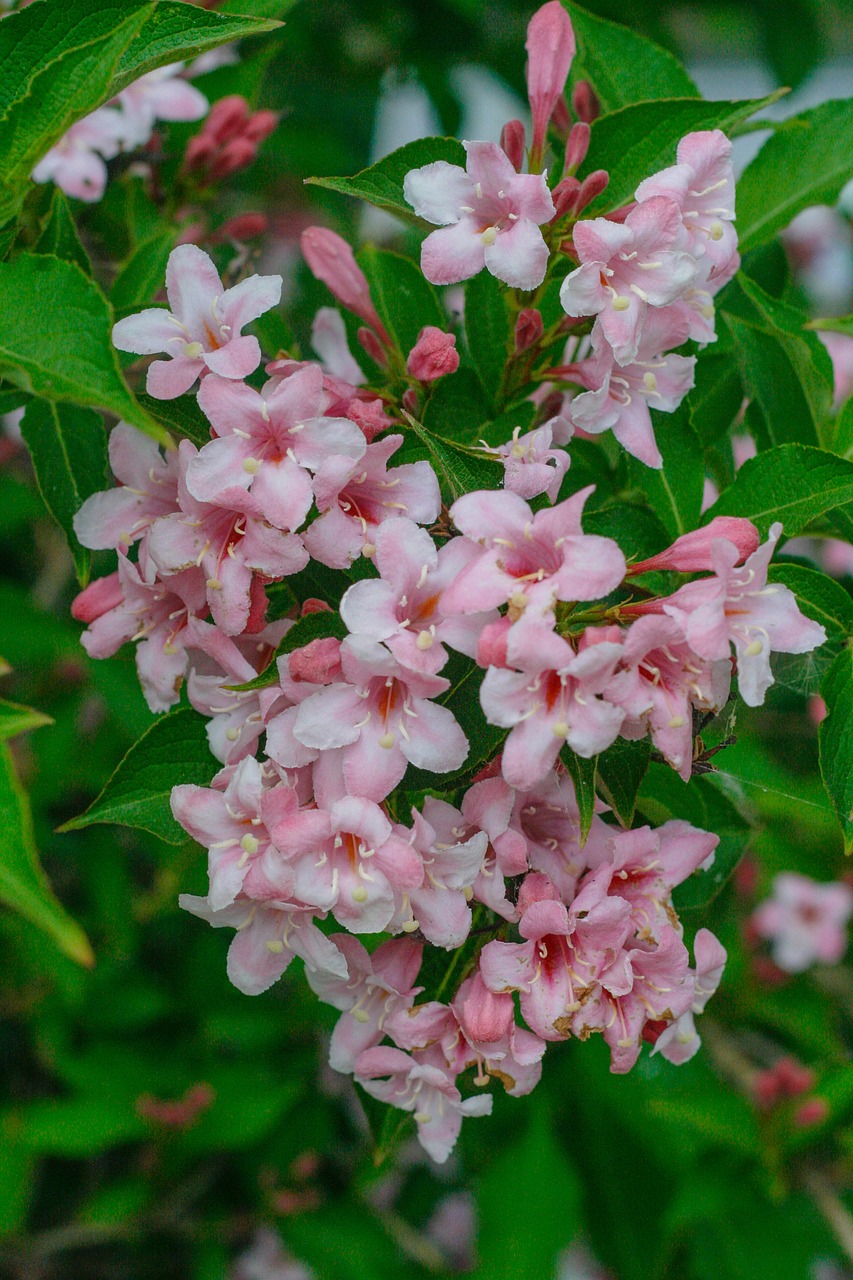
{"x": 565, "y": 923}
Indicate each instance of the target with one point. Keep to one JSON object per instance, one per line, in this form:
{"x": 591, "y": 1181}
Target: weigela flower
{"x": 691, "y": 553}
{"x": 331, "y": 260}
{"x": 161, "y": 94}
{"x": 76, "y": 162}
{"x": 203, "y": 328}
{"x": 147, "y": 489}
{"x": 329, "y": 340}
{"x": 439, "y": 906}
{"x": 547, "y": 818}
{"x": 626, "y": 268}
{"x": 532, "y": 465}
{"x": 702, "y": 184}
{"x": 489, "y": 217}
{"x": 550, "y": 46}
{"x": 805, "y": 921}
{"x": 679, "y": 1041}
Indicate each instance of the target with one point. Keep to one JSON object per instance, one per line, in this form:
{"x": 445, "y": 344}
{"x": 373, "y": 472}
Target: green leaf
{"x": 833, "y": 324}
{"x": 405, "y": 300}
{"x": 181, "y": 415}
{"x": 637, "y": 529}
{"x": 174, "y": 750}
{"x": 459, "y": 470}
{"x": 15, "y": 719}
{"x": 819, "y": 597}
{"x": 842, "y": 437}
{"x": 674, "y": 492}
{"x": 806, "y": 162}
{"x": 382, "y": 183}
{"x": 717, "y": 396}
{"x": 787, "y": 370}
{"x": 620, "y": 771}
{"x": 792, "y": 483}
{"x": 23, "y": 885}
{"x": 71, "y": 358}
{"x": 59, "y": 235}
{"x": 638, "y": 140}
{"x": 582, "y": 773}
{"x": 314, "y": 626}
{"x": 623, "y": 66}
{"x": 455, "y": 408}
{"x": 488, "y": 327}
{"x": 68, "y": 447}
{"x": 835, "y": 737}
{"x": 141, "y": 277}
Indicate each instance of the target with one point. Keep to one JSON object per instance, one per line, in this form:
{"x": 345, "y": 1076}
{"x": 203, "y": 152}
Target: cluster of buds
{"x": 229, "y": 139}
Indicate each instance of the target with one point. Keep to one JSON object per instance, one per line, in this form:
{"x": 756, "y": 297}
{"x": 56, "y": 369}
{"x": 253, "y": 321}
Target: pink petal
{"x": 453, "y": 253}
{"x": 518, "y": 256}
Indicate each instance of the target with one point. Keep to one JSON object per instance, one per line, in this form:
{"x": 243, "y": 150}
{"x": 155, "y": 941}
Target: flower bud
{"x": 318, "y": 662}
{"x": 528, "y": 328}
{"x": 410, "y": 400}
{"x": 812, "y": 1112}
{"x": 434, "y": 355}
{"x": 313, "y": 605}
{"x": 237, "y": 154}
{"x": 576, "y": 147}
{"x": 226, "y": 118}
{"x": 765, "y": 1088}
{"x": 536, "y": 887}
{"x": 484, "y": 1016}
{"x": 584, "y": 102}
{"x": 561, "y": 121}
{"x": 591, "y": 187}
{"x": 550, "y": 46}
{"x": 565, "y": 196}
{"x": 369, "y": 416}
{"x": 691, "y": 553}
{"x": 512, "y": 142}
{"x": 331, "y": 260}
{"x": 200, "y": 151}
{"x": 491, "y": 646}
{"x": 245, "y": 226}
{"x": 97, "y": 599}
{"x": 260, "y": 125}
{"x": 793, "y": 1077}
{"x": 371, "y": 344}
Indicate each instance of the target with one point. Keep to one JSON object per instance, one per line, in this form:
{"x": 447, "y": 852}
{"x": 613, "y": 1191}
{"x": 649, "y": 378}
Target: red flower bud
{"x": 226, "y": 118}
{"x": 565, "y": 196}
{"x": 812, "y": 1112}
{"x": 584, "y": 102}
{"x": 793, "y": 1077}
{"x": 245, "y": 226}
{"x": 371, "y": 344}
{"x": 97, "y": 599}
{"x": 577, "y": 146}
{"x": 237, "y": 154}
{"x": 512, "y": 141}
{"x": 591, "y": 187}
{"x": 318, "y": 662}
{"x": 528, "y": 328}
{"x": 434, "y": 355}
{"x": 313, "y": 605}
{"x": 550, "y": 46}
{"x": 260, "y": 125}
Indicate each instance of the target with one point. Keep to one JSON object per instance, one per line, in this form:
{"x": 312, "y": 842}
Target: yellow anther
{"x": 387, "y": 741}
{"x": 621, "y": 303}
{"x": 252, "y": 466}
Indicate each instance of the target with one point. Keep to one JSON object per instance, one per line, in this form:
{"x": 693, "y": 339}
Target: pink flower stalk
{"x": 805, "y": 921}
{"x": 620, "y": 396}
{"x": 550, "y": 49}
{"x": 158, "y": 95}
{"x": 382, "y": 718}
{"x": 439, "y": 906}
{"x": 691, "y": 553}
{"x": 329, "y": 340}
{"x": 355, "y": 497}
{"x": 434, "y": 355}
{"x": 489, "y": 217}
{"x": 266, "y": 443}
{"x": 403, "y": 607}
{"x": 702, "y": 184}
{"x": 553, "y": 698}
{"x": 331, "y": 260}
{"x": 426, "y": 1090}
{"x": 530, "y": 561}
{"x": 147, "y": 489}
{"x": 376, "y": 987}
{"x": 76, "y": 162}
{"x": 660, "y": 683}
{"x": 203, "y": 329}
{"x": 738, "y": 606}
{"x": 531, "y": 465}
{"x": 155, "y": 614}
{"x": 234, "y": 547}
{"x": 626, "y": 268}
{"x": 679, "y": 1041}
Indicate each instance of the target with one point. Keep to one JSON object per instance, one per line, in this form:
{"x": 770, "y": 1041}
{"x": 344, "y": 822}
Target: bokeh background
{"x": 154, "y": 1123}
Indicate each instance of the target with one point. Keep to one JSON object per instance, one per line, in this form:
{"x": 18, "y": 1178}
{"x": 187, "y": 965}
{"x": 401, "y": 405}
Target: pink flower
{"x": 553, "y": 698}
{"x": 403, "y": 607}
{"x": 680, "y": 1040}
{"x": 805, "y": 921}
{"x": 147, "y": 489}
{"x": 620, "y": 396}
{"x": 158, "y": 95}
{"x": 550, "y": 48}
{"x": 203, "y": 329}
{"x": 702, "y": 184}
{"x": 230, "y": 543}
{"x": 738, "y": 606}
{"x": 267, "y": 442}
{"x": 76, "y": 162}
{"x": 355, "y": 497}
{"x": 329, "y": 340}
{"x": 627, "y": 268}
{"x": 489, "y": 214}
{"x": 434, "y": 355}
{"x": 439, "y": 906}
{"x": 547, "y": 818}
{"x": 331, "y": 260}
{"x": 376, "y": 987}
{"x": 530, "y": 561}
{"x": 426, "y": 1090}
{"x": 531, "y": 465}
{"x": 691, "y": 553}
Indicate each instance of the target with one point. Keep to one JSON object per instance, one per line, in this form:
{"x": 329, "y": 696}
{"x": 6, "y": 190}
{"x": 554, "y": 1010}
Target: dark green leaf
{"x": 842, "y": 436}
{"x": 405, "y": 300}
{"x": 717, "y": 396}
{"x": 620, "y": 772}
{"x": 181, "y": 415}
{"x": 59, "y": 235}
{"x": 675, "y": 491}
{"x": 382, "y": 183}
{"x": 519, "y": 417}
{"x": 582, "y": 773}
{"x": 836, "y": 741}
{"x": 314, "y": 626}
{"x": 622, "y": 65}
{"x": 459, "y": 470}
{"x": 488, "y": 327}
{"x": 456, "y": 407}
{"x": 792, "y": 483}
{"x": 142, "y": 276}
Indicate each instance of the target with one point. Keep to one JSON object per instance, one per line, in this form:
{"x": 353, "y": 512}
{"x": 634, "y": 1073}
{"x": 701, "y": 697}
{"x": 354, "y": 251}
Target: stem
{"x": 831, "y": 1208}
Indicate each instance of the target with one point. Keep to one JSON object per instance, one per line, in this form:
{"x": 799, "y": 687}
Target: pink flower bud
{"x": 491, "y": 646}
{"x": 331, "y": 260}
{"x": 434, "y": 355}
{"x": 577, "y": 146}
{"x": 319, "y": 662}
{"x": 691, "y": 553}
{"x": 200, "y": 151}
{"x": 237, "y": 154}
{"x": 410, "y": 400}
{"x": 565, "y": 196}
{"x": 226, "y": 118}
{"x": 561, "y": 121}
{"x": 591, "y": 187}
{"x": 817, "y": 709}
{"x": 369, "y": 416}
{"x": 313, "y": 605}
{"x": 536, "y": 887}
{"x": 528, "y": 328}
{"x": 812, "y": 1112}
{"x": 258, "y": 603}
{"x": 246, "y": 226}
{"x": 484, "y": 1016}
{"x": 584, "y": 102}
{"x": 512, "y": 141}
{"x": 97, "y": 599}
{"x": 260, "y": 125}
{"x": 371, "y": 344}
{"x": 793, "y": 1077}
{"x": 550, "y": 46}
{"x": 765, "y": 1088}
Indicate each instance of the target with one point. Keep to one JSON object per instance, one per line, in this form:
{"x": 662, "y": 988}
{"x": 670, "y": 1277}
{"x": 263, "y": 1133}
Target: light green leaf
{"x": 835, "y": 737}
{"x": 792, "y": 483}
{"x": 805, "y": 163}
{"x": 623, "y": 66}
{"x": 382, "y": 183}
{"x": 174, "y": 750}
{"x": 23, "y": 885}
{"x": 68, "y": 447}
{"x": 15, "y": 719}
{"x": 405, "y": 300}
{"x": 71, "y": 358}
{"x": 142, "y": 276}
{"x": 842, "y": 436}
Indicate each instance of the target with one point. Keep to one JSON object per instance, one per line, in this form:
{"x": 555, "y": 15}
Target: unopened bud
{"x": 226, "y": 118}
{"x": 812, "y": 1112}
{"x": 584, "y": 102}
{"x": 410, "y": 400}
{"x": 691, "y": 553}
{"x": 591, "y": 187}
{"x": 318, "y": 662}
{"x": 434, "y": 355}
{"x": 331, "y": 260}
{"x": 260, "y": 125}
{"x": 313, "y": 605}
{"x": 765, "y": 1088}
{"x": 237, "y": 154}
{"x": 565, "y": 196}
{"x": 561, "y": 121}
{"x": 200, "y": 151}
{"x": 512, "y": 142}
{"x": 483, "y": 1015}
{"x": 369, "y": 416}
{"x": 98, "y": 598}
{"x": 245, "y": 226}
{"x": 371, "y": 344}
{"x": 577, "y": 147}
{"x": 528, "y": 329}
{"x": 491, "y": 646}
{"x": 793, "y": 1077}
{"x": 550, "y": 46}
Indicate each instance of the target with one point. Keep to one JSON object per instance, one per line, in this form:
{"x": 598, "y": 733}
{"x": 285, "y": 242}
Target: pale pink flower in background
{"x": 266, "y": 1257}
{"x": 203, "y": 328}
{"x": 329, "y": 340}
{"x": 426, "y": 1090}
{"x": 738, "y": 606}
{"x": 627, "y": 268}
{"x": 840, "y": 348}
{"x": 532, "y": 465}
{"x": 76, "y": 162}
{"x": 489, "y": 216}
{"x": 702, "y": 184}
{"x": 680, "y": 1040}
{"x": 147, "y": 489}
{"x": 550, "y": 46}
{"x": 805, "y": 921}
{"x": 158, "y": 95}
